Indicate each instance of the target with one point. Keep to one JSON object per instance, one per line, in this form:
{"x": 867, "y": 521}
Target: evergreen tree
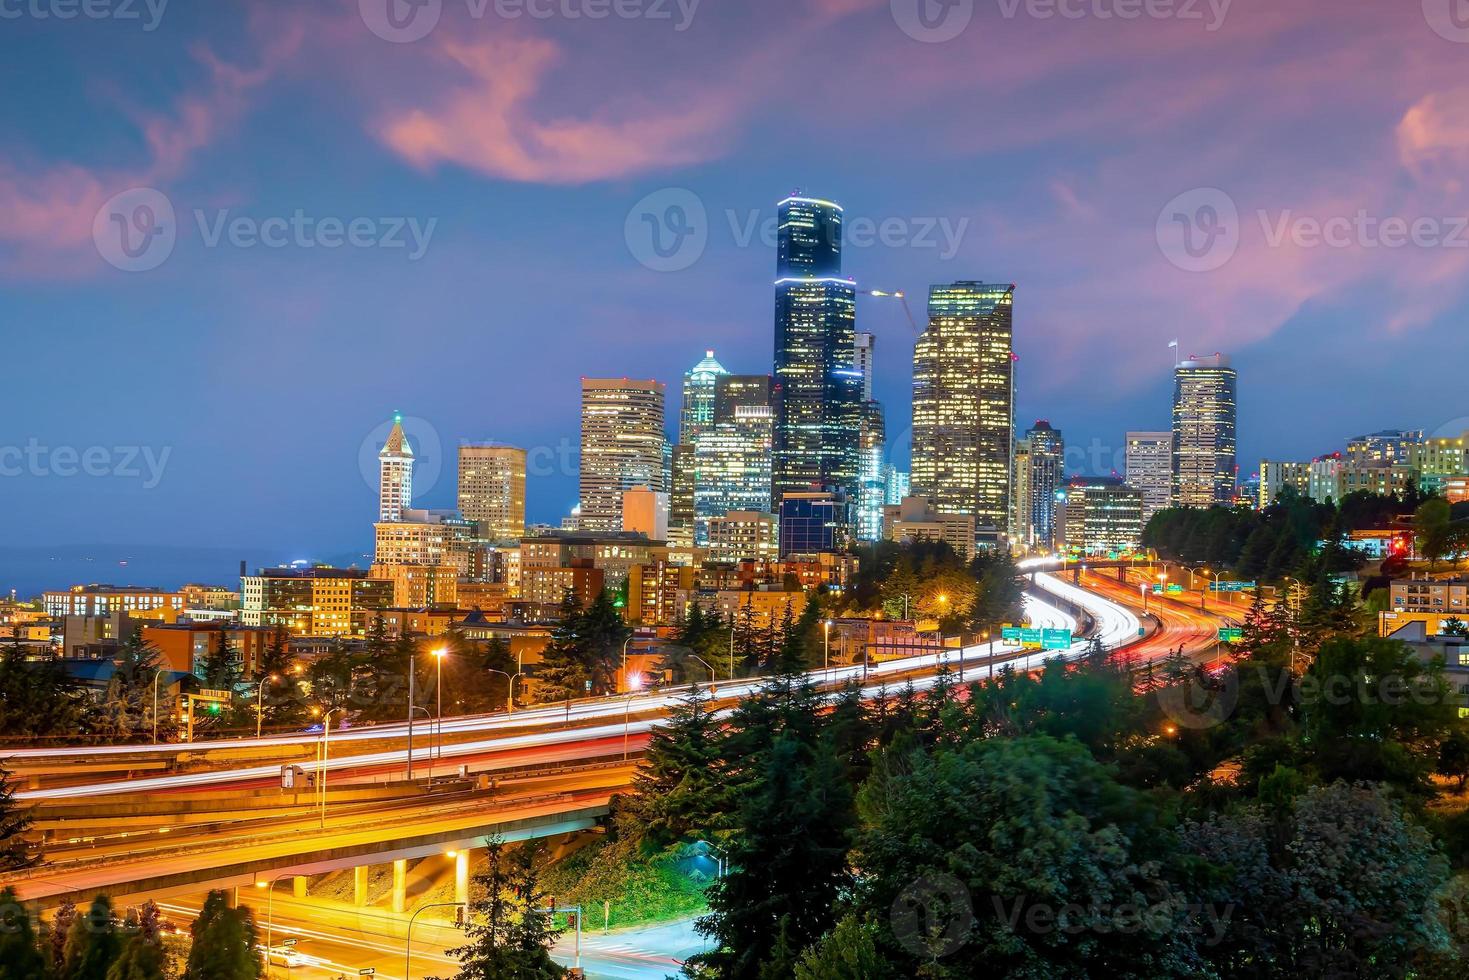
{"x": 225, "y": 943}
{"x": 681, "y": 793}
{"x": 284, "y": 699}
{"x": 221, "y": 671}
{"x": 92, "y": 944}
{"x": 787, "y": 863}
{"x": 508, "y": 928}
{"x": 55, "y": 945}
{"x": 800, "y": 646}
{"x": 37, "y": 699}
{"x": 20, "y": 957}
{"x": 127, "y": 708}
{"x": 142, "y": 956}
{"x": 585, "y": 652}
{"x": 16, "y": 850}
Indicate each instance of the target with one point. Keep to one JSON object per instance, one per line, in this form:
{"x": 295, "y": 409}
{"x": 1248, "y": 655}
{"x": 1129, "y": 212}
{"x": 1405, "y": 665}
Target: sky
{"x": 236, "y": 237}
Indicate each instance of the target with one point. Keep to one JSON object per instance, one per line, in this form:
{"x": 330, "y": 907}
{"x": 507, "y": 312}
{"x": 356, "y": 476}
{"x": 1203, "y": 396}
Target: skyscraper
{"x": 395, "y": 474}
{"x": 871, "y": 489}
{"x": 492, "y": 489}
{"x": 963, "y": 402}
{"x": 1205, "y": 400}
{"x": 621, "y": 446}
{"x": 1047, "y": 476}
{"x": 733, "y": 390}
{"x": 1150, "y": 469}
{"x": 732, "y": 467}
{"x": 697, "y": 413}
{"x": 818, "y": 390}
{"x": 865, "y": 356}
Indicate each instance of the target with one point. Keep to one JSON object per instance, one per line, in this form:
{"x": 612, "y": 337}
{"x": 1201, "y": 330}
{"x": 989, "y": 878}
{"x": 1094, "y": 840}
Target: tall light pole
{"x": 269, "y": 887}
{"x": 260, "y": 701}
{"x": 635, "y": 686}
{"x": 439, "y": 655}
{"x": 156, "y": 674}
{"x": 326, "y": 748}
{"x": 625, "y": 642}
{"x": 510, "y": 680}
{"x": 408, "y": 939}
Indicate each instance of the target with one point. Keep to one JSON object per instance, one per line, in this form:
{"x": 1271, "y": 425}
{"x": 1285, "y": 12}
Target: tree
{"x": 20, "y": 957}
{"x": 848, "y": 952}
{"x": 142, "y": 956}
{"x": 127, "y": 709}
{"x": 16, "y": 850}
{"x": 225, "y": 943}
{"x": 37, "y": 699}
{"x": 509, "y": 932}
{"x": 584, "y": 654}
{"x": 1012, "y": 857}
{"x": 1453, "y": 757}
{"x": 221, "y": 669}
{"x": 284, "y": 699}
{"x": 92, "y": 944}
{"x": 681, "y": 792}
{"x": 787, "y": 861}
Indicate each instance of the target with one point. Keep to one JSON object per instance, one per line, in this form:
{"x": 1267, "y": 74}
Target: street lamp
{"x": 408, "y": 939}
{"x": 510, "y": 680}
{"x": 635, "y": 684}
{"x": 625, "y": 678}
{"x": 260, "y": 702}
{"x": 439, "y": 655}
{"x": 712, "y": 676}
{"x": 326, "y": 748}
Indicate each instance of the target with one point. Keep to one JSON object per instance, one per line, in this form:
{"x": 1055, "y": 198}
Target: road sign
{"x": 288, "y": 943}
{"x": 1056, "y": 640}
{"x": 1175, "y": 590}
{"x": 1231, "y": 586}
{"x": 1010, "y": 634}
{"x": 1032, "y": 637}
{"x": 370, "y": 971}
{"x": 1231, "y": 634}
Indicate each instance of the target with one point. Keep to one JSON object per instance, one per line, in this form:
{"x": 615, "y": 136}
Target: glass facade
{"x": 732, "y": 467}
{"x": 622, "y": 446}
{"x": 811, "y": 523}
{"x": 818, "y": 388}
{"x": 1204, "y": 411}
{"x": 964, "y": 402}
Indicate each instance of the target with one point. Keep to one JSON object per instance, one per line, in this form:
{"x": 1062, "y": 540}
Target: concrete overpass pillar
{"x": 359, "y": 885}
{"x": 1122, "y": 574}
{"x": 298, "y": 886}
{"x": 461, "y": 876}
{"x": 400, "y": 885}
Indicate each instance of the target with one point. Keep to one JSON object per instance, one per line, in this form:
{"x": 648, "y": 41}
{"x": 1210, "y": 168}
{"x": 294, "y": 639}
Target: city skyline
{"x": 1066, "y": 212}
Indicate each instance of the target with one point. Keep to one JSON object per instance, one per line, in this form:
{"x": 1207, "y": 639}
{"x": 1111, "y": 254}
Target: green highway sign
{"x": 1010, "y": 634}
{"x": 1231, "y": 586}
{"x": 1032, "y": 637}
{"x": 1056, "y": 640}
{"x": 1228, "y": 634}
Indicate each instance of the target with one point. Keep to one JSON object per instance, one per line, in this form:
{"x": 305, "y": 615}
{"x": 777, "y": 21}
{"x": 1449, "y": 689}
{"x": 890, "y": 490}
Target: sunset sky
{"x": 525, "y": 151}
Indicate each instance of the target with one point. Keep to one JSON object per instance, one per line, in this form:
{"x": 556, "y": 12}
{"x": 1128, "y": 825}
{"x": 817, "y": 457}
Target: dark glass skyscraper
{"x": 818, "y": 387}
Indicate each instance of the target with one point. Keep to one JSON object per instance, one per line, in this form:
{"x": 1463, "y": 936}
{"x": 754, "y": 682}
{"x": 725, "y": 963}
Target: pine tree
{"x": 284, "y": 699}
{"x": 16, "y": 851}
{"x": 20, "y": 957}
{"x": 225, "y": 943}
{"x": 221, "y": 672}
{"x": 681, "y": 792}
{"x": 799, "y": 647}
{"x": 142, "y": 956}
{"x": 509, "y": 931}
{"x": 92, "y": 944}
{"x": 55, "y": 945}
{"x": 787, "y": 864}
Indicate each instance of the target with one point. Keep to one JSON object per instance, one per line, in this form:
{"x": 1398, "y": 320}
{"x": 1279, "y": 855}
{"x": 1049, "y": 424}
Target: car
{"x": 285, "y": 956}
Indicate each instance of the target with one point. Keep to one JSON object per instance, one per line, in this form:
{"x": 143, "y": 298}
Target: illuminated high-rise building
{"x": 492, "y": 489}
{"x": 1205, "y": 402}
{"x": 697, "y": 413}
{"x": 395, "y": 474}
{"x": 622, "y": 446}
{"x": 865, "y": 355}
{"x": 818, "y": 390}
{"x": 733, "y": 390}
{"x": 871, "y": 488}
{"x": 1150, "y": 469}
{"x": 732, "y": 467}
{"x": 964, "y": 403}
{"x": 1046, "y": 480}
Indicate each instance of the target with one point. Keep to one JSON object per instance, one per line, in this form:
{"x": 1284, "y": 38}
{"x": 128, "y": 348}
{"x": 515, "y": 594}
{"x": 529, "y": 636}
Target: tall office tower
{"x": 1022, "y": 535}
{"x": 698, "y": 398}
{"x": 964, "y": 402}
{"x": 818, "y": 391}
{"x": 1205, "y": 402}
{"x": 621, "y": 446}
{"x": 395, "y": 474}
{"x": 1150, "y": 469}
{"x": 492, "y": 489}
{"x": 866, "y": 350}
{"x": 732, "y": 467}
{"x": 681, "y": 498}
{"x": 871, "y": 490}
{"x": 1047, "y": 478}
{"x": 733, "y": 390}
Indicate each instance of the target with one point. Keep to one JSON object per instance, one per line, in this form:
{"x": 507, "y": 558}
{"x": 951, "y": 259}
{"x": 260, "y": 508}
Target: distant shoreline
{"x": 29, "y": 571}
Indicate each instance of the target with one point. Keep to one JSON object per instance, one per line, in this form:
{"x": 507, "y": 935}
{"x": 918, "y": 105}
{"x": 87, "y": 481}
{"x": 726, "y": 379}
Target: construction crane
{"x": 900, "y": 297}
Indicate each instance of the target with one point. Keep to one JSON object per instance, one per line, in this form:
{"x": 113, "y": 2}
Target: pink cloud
{"x": 488, "y": 123}
{"x": 50, "y": 210}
